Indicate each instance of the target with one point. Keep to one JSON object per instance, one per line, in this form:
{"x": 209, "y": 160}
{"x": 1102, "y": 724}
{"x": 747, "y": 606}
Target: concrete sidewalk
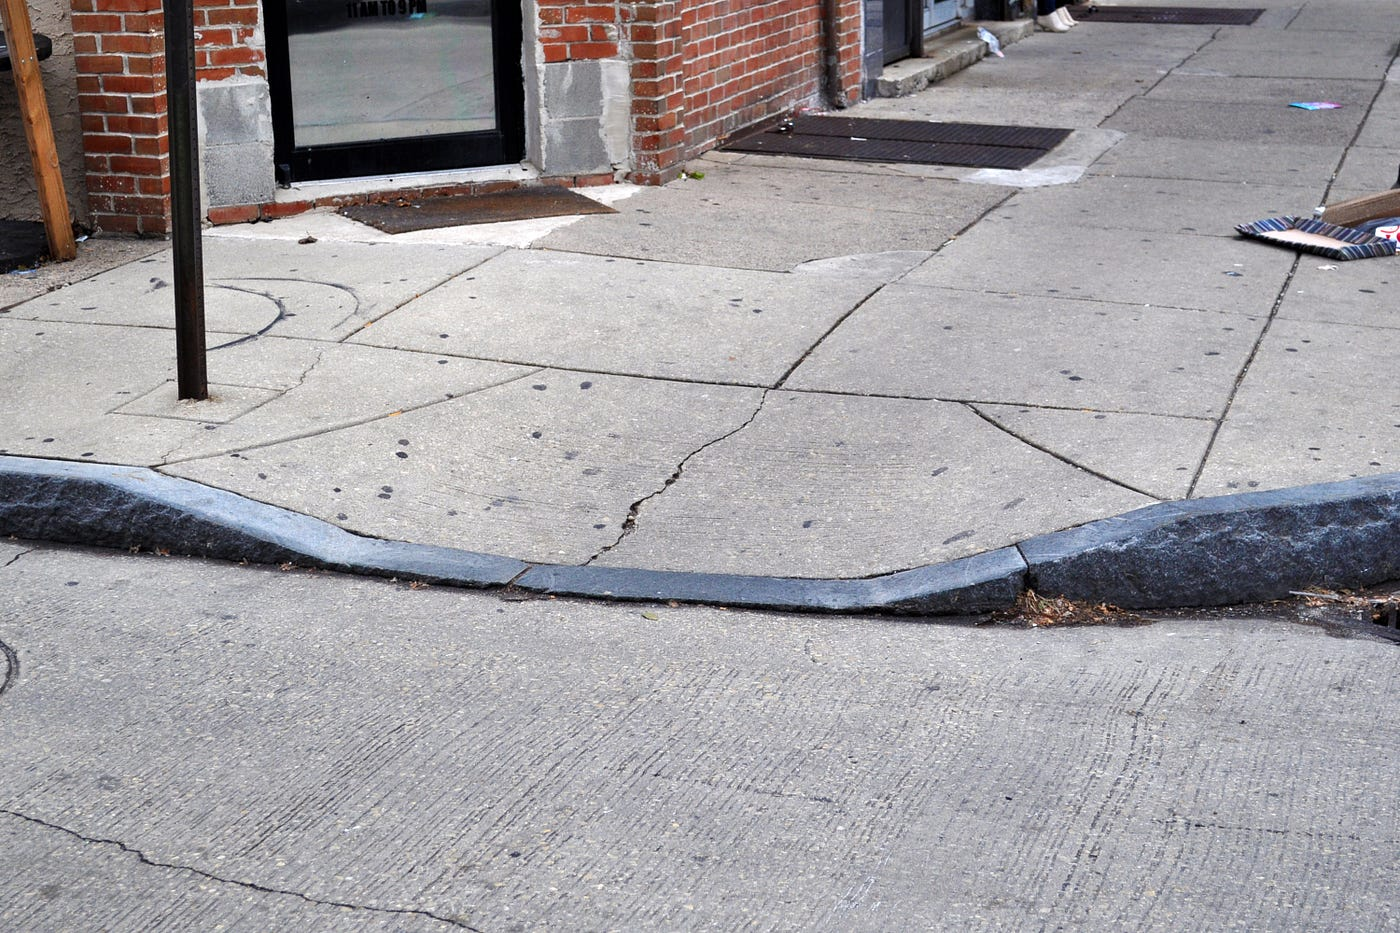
{"x": 815, "y": 370}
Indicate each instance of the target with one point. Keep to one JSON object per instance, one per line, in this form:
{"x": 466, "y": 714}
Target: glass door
{"x": 372, "y": 87}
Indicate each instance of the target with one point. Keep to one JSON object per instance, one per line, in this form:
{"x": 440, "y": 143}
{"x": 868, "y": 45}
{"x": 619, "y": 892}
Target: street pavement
{"x": 788, "y": 367}
{"x": 201, "y": 746}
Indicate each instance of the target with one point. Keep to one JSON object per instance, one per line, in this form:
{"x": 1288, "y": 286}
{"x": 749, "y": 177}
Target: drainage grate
{"x": 1172, "y": 15}
{"x": 862, "y": 139}
{"x": 463, "y": 209}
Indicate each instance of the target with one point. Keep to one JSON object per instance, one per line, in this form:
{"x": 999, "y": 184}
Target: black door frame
{"x": 503, "y": 145}
{"x": 908, "y": 41}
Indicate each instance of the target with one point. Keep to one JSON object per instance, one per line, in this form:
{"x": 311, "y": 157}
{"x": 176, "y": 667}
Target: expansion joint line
{"x": 630, "y": 522}
{"x": 1240, "y": 376}
{"x": 359, "y": 422}
{"x": 1143, "y": 92}
{"x": 144, "y": 859}
{"x": 1058, "y": 456}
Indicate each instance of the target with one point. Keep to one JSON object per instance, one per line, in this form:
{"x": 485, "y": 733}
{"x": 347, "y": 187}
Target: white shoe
{"x": 1051, "y": 23}
{"x": 1064, "y": 17}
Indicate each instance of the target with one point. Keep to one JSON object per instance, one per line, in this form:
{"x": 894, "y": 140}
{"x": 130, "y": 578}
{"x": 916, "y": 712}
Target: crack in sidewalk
{"x": 629, "y": 523}
{"x": 11, "y": 667}
{"x": 145, "y": 859}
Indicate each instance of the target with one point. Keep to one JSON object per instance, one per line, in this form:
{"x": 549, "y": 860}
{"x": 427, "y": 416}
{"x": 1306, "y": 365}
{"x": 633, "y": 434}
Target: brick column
{"x": 228, "y": 42}
{"x": 120, "y": 58}
{"x": 658, "y": 91}
{"x": 848, "y": 34}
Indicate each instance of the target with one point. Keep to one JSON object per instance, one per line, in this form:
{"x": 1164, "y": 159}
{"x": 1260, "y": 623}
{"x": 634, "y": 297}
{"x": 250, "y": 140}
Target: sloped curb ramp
{"x": 1229, "y": 549}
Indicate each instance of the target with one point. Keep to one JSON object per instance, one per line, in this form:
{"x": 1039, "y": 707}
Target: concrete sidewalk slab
{"x": 1003, "y": 105}
{"x": 604, "y": 314}
{"x": 94, "y": 256}
{"x": 1309, "y": 411}
{"x": 1140, "y": 268}
{"x": 1231, "y": 122}
{"x": 1236, "y": 162}
{"x": 1317, "y": 292}
{"x": 775, "y": 219}
{"x": 916, "y": 341}
{"x": 1157, "y": 455}
{"x": 542, "y": 468}
{"x": 324, "y": 290}
{"x": 263, "y": 392}
{"x": 1366, "y": 170}
{"x": 1272, "y": 92}
{"x": 1076, "y": 344}
{"x": 1346, "y": 16}
{"x": 780, "y": 497}
{"x": 1209, "y": 208}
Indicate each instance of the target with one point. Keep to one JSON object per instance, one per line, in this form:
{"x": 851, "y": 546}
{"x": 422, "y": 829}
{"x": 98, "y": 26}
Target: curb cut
{"x": 125, "y": 507}
{"x": 1227, "y": 549}
{"x": 1238, "y": 548}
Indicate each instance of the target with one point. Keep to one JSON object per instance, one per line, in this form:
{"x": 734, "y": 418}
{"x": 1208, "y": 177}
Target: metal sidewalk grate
{"x": 863, "y": 139}
{"x": 1171, "y": 15}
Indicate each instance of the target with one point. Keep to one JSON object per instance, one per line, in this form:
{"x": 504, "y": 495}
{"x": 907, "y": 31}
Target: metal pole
{"x": 190, "y": 361}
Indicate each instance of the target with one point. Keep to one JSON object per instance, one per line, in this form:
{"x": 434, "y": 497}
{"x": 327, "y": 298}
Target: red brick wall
{"x": 226, "y": 29}
{"x": 656, "y": 40}
{"x": 703, "y": 69}
{"x": 119, "y": 51}
{"x": 746, "y": 61}
{"x": 120, "y": 57}
{"x": 574, "y": 31}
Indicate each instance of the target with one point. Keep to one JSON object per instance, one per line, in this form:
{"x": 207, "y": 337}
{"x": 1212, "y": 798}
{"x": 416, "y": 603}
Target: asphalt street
{"x": 194, "y": 745}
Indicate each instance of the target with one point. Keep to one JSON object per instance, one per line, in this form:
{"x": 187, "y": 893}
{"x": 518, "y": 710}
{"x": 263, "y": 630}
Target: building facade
{"x": 302, "y": 91}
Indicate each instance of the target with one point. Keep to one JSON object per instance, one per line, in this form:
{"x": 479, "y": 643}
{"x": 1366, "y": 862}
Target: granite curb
{"x": 1227, "y": 549}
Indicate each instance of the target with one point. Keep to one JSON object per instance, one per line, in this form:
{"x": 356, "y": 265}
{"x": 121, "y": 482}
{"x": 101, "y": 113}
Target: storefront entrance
{"x": 373, "y": 87}
{"x": 908, "y": 22}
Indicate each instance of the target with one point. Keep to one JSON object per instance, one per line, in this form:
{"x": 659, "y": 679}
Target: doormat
{"x": 463, "y": 209}
{"x": 864, "y": 139}
{"x": 22, "y": 244}
{"x": 1171, "y": 15}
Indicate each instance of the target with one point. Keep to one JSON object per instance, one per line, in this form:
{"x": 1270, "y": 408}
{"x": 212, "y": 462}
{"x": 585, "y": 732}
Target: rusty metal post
{"x": 190, "y": 356}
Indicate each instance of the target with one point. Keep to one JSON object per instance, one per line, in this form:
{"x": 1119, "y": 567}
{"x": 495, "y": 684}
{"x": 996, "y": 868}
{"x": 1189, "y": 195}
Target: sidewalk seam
{"x": 1058, "y": 456}
{"x": 452, "y": 397}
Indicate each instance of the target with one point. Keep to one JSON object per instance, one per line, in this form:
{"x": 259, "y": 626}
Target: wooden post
{"x": 34, "y": 111}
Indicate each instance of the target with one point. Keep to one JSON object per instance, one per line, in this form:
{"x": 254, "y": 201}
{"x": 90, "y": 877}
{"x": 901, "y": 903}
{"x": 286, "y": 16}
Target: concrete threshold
{"x": 947, "y": 55}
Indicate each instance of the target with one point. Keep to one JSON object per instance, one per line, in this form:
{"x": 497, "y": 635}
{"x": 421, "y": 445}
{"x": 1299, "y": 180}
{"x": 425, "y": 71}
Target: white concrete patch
{"x": 1027, "y": 178}
{"x": 328, "y": 225}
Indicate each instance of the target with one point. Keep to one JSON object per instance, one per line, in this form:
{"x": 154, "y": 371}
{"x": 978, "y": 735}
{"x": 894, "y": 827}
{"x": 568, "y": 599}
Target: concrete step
{"x": 947, "y": 55}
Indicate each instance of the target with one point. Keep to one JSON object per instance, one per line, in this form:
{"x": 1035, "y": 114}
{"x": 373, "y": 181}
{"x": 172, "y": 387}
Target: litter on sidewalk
{"x": 1360, "y": 228}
